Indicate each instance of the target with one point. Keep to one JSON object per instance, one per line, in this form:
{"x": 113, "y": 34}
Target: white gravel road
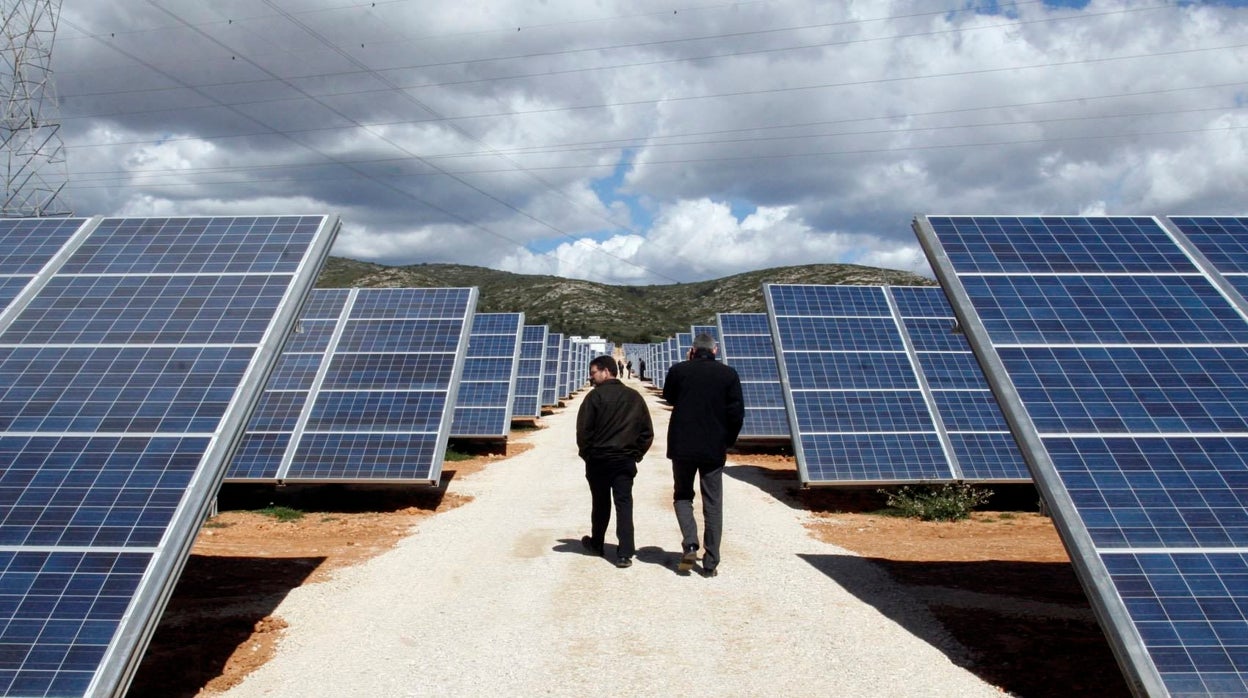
{"x": 496, "y": 597}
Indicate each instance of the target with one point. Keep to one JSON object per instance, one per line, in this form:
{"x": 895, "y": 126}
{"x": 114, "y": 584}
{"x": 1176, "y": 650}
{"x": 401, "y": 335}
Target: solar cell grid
{"x": 528, "y": 397}
{"x": 194, "y": 246}
{"x": 487, "y": 387}
{"x": 27, "y": 244}
{"x": 921, "y": 302}
{"x": 1038, "y": 245}
{"x": 550, "y": 370}
{"x": 856, "y": 381}
{"x": 1224, "y": 240}
{"x": 1129, "y": 394}
{"x": 149, "y": 310}
{"x": 803, "y": 333}
{"x": 389, "y": 371}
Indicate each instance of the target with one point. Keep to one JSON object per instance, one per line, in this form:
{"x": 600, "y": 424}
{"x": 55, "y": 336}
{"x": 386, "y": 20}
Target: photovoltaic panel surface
{"x": 881, "y": 389}
{"x": 483, "y": 409}
{"x": 528, "y": 400}
{"x": 551, "y": 376}
{"x": 364, "y": 389}
{"x": 745, "y": 344}
{"x": 128, "y": 364}
{"x": 1118, "y": 349}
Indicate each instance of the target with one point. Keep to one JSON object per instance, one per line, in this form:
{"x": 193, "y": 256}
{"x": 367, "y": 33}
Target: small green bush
{"x": 949, "y": 502}
{"x": 452, "y": 455}
{"x": 281, "y": 513}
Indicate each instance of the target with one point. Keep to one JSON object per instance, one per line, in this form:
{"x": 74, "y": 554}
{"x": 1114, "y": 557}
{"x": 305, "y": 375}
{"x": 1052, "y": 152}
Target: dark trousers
{"x": 612, "y": 481}
{"x": 711, "y": 482}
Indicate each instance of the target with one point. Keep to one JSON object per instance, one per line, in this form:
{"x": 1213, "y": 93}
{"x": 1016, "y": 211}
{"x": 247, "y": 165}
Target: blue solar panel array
{"x": 745, "y": 344}
{"x": 528, "y": 400}
{"x": 1118, "y": 347}
{"x": 488, "y": 385}
{"x": 881, "y": 389}
{"x": 364, "y": 390}
{"x": 131, "y": 351}
{"x": 551, "y": 377}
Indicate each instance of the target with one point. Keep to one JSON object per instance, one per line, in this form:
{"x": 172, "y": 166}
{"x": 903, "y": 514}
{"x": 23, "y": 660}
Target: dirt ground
{"x": 1000, "y": 583}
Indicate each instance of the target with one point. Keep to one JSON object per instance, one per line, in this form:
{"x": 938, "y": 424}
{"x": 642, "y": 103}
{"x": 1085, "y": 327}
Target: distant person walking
{"x": 613, "y": 432}
{"x": 641, "y": 369}
{"x": 707, "y": 413}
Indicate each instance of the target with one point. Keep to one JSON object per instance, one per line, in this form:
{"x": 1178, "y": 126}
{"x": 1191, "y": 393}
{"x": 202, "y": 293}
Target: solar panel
{"x": 745, "y": 344}
{"x": 551, "y": 377}
{"x": 129, "y": 360}
{"x": 1119, "y": 350}
{"x": 879, "y": 388}
{"x": 364, "y": 389}
{"x": 483, "y": 408}
{"x": 528, "y": 400}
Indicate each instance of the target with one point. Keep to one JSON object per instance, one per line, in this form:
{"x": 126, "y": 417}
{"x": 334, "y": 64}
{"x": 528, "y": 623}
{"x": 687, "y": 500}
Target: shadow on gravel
{"x": 217, "y": 604}
{"x": 1024, "y": 627}
{"x": 780, "y": 484}
{"x": 647, "y": 555}
{"x": 783, "y": 485}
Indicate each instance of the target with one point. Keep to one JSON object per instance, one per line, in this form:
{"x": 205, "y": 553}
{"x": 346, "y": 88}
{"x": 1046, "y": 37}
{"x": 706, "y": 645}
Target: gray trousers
{"x": 711, "y": 482}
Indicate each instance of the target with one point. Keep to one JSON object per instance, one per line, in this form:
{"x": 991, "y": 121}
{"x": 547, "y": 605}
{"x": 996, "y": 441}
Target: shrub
{"x": 949, "y": 502}
{"x": 452, "y": 455}
{"x": 281, "y": 513}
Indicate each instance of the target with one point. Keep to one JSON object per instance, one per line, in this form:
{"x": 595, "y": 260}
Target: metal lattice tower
{"x": 33, "y": 154}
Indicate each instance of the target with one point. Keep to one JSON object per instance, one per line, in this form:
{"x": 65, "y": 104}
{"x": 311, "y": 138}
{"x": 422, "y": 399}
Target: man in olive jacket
{"x": 707, "y": 413}
{"x": 613, "y": 432}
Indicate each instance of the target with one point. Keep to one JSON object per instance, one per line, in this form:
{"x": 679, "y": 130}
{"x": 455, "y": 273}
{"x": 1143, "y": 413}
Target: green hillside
{"x": 619, "y": 313}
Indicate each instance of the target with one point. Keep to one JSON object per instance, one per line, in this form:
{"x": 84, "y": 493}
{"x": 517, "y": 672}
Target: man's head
{"x": 704, "y": 345}
{"x": 602, "y": 369}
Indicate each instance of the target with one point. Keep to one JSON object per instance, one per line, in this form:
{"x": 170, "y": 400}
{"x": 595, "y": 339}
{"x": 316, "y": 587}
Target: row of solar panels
{"x": 144, "y": 361}
{"x": 374, "y": 382}
{"x": 877, "y": 382}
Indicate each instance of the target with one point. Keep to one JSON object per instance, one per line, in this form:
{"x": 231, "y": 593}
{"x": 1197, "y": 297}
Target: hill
{"x": 619, "y": 313}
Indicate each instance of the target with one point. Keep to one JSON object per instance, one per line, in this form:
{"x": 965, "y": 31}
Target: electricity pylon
{"x": 33, "y": 154}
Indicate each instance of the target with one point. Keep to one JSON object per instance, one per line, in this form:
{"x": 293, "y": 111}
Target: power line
{"x": 752, "y": 156}
{"x": 651, "y": 63}
{"x": 618, "y": 144}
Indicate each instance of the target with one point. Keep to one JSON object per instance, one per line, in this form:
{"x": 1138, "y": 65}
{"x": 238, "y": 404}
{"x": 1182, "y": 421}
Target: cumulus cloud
{"x": 703, "y": 239}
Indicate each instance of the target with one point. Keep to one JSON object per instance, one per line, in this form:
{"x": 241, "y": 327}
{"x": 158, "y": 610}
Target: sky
{"x": 640, "y": 142}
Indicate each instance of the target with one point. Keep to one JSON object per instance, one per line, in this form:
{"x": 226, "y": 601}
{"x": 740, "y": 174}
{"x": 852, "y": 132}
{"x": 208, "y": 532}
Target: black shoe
{"x": 687, "y": 560}
{"x": 589, "y": 545}
{"x": 623, "y": 562}
{"x": 710, "y": 573}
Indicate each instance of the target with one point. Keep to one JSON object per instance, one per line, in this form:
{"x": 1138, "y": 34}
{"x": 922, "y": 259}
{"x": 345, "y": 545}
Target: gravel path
{"x": 497, "y": 597}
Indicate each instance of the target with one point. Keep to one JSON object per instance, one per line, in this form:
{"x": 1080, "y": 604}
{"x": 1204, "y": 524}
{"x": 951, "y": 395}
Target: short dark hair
{"x": 605, "y": 363}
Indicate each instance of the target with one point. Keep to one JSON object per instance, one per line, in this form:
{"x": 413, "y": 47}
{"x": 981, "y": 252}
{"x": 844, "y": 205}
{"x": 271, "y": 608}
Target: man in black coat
{"x": 707, "y": 412}
{"x": 613, "y": 432}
